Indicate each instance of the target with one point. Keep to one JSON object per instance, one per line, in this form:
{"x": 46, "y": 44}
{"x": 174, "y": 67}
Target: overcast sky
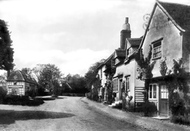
{"x": 72, "y": 34}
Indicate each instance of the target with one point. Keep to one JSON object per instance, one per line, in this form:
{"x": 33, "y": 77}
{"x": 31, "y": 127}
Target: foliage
{"x": 150, "y": 109}
{"x": 3, "y": 93}
{"x": 27, "y": 71}
{"x": 177, "y": 106}
{"x": 163, "y": 67}
{"x": 48, "y": 76}
{"x": 178, "y": 67}
{"x": 6, "y": 51}
{"x": 180, "y": 120}
{"x": 22, "y": 100}
{"x": 145, "y": 65}
{"x": 31, "y": 92}
{"x": 74, "y": 84}
{"x": 145, "y": 72}
{"x": 90, "y": 76}
{"x": 179, "y": 101}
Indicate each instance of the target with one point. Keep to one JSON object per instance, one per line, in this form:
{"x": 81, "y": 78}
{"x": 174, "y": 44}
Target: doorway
{"x": 164, "y": 102}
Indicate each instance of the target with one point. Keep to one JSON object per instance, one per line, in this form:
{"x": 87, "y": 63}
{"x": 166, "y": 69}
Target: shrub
{"x": 149, "y": 109}
{"x": 22, "y": 100}
{"x": 178, "y": 107}
{"x": 179, "y": 111}
{"x": 3, "y": 93}
{"x": 180, "y": 120}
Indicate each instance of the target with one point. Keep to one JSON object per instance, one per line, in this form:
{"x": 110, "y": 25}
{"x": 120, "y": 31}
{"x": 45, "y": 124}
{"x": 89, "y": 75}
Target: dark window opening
{"x": 157, "y": 49}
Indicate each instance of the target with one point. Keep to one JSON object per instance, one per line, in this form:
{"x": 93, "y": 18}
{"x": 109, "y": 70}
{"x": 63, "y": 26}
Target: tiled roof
{"x": 120, "y": 53}
{"x": 108, "y": 60}
{"x": 15, "y": 75}
{"x": 134, "y": 41}
{"x": 20, "y": 76}
{"x": 179, "y": 13}
{"x": 28, "y": 78}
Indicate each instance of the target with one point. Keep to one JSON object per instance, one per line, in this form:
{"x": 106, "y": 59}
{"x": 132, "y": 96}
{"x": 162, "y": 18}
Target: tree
{"x": 48, "y": 77}
{"x": 28, "y": 71}
{"x": 90, "y": 76}
{"x": 75, "y": 84}
{"x": 6, "y": 51}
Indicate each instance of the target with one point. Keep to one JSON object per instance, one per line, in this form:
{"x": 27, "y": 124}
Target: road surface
{"x": 64, "y": 114}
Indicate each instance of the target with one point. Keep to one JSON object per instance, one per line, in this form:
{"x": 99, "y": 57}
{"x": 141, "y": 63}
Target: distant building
{"x": 20, "y": 83}
{"x": 2, "y": 82}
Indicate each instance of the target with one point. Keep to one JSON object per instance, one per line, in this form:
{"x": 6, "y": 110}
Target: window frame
{"x": 152, "y": 92}
{"x": 157, "y": 49}
{"x": 127, "y": 82}
{"x": 164, "y": 93}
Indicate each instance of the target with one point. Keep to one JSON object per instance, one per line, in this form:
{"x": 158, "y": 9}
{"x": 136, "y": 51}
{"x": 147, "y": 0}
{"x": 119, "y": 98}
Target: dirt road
{"x": 64, "y": 114}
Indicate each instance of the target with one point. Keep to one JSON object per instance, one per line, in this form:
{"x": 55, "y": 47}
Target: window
{"x": 115, "y": 85}
{"x": 164, "y": 92}
{"x": 127, "y": 84}
{"x": 153, "y": 91}
{"x": 157, "y": 49}
{"x": 150, "y": 91}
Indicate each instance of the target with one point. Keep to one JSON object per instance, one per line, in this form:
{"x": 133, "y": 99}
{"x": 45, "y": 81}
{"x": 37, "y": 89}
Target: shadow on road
{"x": 10, "y": 116}
{"x": 50, "y": 98}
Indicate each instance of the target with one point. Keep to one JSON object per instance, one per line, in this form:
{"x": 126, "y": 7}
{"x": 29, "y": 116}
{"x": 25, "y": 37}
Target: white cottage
{"x": 20, "y": 83}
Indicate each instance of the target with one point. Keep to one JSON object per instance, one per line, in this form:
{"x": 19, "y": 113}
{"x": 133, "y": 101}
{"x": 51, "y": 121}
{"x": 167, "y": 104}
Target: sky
{"x": 72, "y": 34}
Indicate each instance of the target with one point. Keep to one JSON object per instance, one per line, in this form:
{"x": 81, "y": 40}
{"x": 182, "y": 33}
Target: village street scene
{"x": 96, "y": 66}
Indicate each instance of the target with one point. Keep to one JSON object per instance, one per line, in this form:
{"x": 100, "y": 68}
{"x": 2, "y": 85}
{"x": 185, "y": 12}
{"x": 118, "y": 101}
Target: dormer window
{"x": 157, "y": 49}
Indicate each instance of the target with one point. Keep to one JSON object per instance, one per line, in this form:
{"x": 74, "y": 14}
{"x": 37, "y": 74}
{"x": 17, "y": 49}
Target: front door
{"x": 164, "y": 102}
{"x": 120, "y": 89}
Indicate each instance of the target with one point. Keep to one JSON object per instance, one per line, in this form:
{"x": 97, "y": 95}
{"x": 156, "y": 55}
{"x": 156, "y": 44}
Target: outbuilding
{"x": 20, "y": 83}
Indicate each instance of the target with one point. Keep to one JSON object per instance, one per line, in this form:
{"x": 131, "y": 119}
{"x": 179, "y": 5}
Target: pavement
{"x": 145, "y": 122}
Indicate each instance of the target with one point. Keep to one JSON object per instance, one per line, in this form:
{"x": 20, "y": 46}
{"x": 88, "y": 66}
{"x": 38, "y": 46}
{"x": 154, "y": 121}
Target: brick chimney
{"x": 125, "y": 33}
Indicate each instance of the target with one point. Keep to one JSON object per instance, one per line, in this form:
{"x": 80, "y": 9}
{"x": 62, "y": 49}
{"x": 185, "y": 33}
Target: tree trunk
{"x": 8, "y": 73}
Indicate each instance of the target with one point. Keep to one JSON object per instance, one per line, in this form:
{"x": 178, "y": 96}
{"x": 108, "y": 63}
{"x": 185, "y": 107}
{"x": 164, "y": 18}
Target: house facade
{"x": 134, "y": 86}
{"x": 2, "y": 83}
{"x": 105, "y": 74}
{"x": 118, "y": 59}
{"x": 127, "y": 87}
{"x": 166, "y": 42}
{"x": 152, "y": 67}
{"x": 19, "y": 83}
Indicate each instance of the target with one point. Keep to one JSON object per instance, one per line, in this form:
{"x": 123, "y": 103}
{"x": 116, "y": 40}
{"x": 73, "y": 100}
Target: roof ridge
{"x": 173, "y": 11}
{"x": 158, "y": 1}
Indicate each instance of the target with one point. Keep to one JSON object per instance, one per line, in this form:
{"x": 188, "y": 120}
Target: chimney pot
{"x": 126, "y": 20}
{"x": 125, "y": 33}
{"x": 126, "y": 25}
